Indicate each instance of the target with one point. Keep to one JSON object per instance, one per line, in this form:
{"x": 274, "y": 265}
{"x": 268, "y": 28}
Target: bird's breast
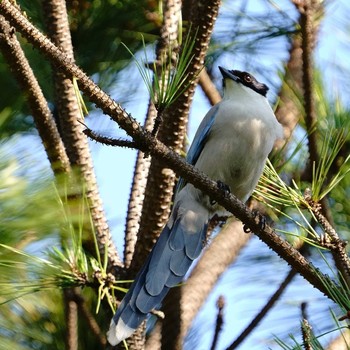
{"x": 237, "y": 148}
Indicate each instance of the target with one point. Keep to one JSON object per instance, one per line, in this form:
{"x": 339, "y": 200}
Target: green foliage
{"x": 322, "y": 180}
{"x": 286, "y": 201}
{"x": 334, "y": 126}
{"x": 33, "y": 322}
{"x": 97, "y": 28}
{"x": 171, "y": 76}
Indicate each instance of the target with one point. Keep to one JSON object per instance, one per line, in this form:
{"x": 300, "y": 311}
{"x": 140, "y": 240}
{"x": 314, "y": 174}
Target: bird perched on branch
{"x": 231, "y": 146}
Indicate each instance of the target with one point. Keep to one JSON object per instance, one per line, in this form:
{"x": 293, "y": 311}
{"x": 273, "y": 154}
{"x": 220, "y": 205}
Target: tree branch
{"x": 109, "y": 141}
{"x": 156, "y": 201}
{"x": 208, "y": 87}
{"x": 71, "y": 319}
{"x": 306, "y": 329}
{"x": 70, "y": 128}
{"x": 263, "y": 312}
{"x": 219, "y": 321}
{"x": 43, "y": 118}
{"x": 307, "y": 10}
{"x": 336, "y": 245}
{"x": 172, "y": 132}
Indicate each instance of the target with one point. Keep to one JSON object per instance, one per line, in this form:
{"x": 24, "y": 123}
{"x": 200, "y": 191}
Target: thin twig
{"x": 336, "y": 245}
{"x": 263, "y": 312}
{"x": 89, "y": 318}
{"x": 219, "y": 321}
{"x": 109, "y": 141}
{"x": 306, "y": 329}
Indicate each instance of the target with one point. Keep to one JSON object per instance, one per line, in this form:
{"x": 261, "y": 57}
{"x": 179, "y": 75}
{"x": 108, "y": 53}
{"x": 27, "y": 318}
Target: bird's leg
{"x": 222, "y": 187}
{"x": 262, "y": 222}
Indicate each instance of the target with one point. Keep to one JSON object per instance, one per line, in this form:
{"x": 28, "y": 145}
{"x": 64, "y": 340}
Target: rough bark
{"x": 71, "y": 129}
{"x": 172, "y": 132}
{"x": 43, "y": 118}
{"x": 288, "y": 110}
{"x": 168, "y": 39}
{"x": 71, "y": 320}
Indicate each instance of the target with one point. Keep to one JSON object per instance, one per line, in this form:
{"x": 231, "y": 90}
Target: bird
{"x": 231, "y": 146}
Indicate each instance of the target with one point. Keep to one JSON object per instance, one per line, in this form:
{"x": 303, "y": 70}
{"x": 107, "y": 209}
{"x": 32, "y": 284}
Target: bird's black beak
{"x": 226, "y": 74}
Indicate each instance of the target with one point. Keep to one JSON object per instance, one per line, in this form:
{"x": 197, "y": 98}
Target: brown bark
{"x": 168, "y": 40}
{"x": 43, "y": 118}
{"x": 340, "y": 343}
{"x": 172, "y": 132}
{"x": 71, "y": 320}
{"x": 288, "y": 110}
{"x": 209, "y": 88}
{"x": 71, "y": 129}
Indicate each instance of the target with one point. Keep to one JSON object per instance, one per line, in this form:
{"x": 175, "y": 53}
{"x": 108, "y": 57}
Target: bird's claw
{"x": 261, "y": 223}
{"x": 224, "y": 188}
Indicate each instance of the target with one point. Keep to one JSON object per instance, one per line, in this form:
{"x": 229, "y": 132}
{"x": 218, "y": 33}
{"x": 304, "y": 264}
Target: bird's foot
{"x": 222, "y": 187}
{"x": 261, "y": 223}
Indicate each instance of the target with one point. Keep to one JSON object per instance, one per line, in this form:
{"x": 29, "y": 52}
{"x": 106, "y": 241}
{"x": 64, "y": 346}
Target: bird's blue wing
{"x": 199, "y": 141}
{"x": 165, "y": 267}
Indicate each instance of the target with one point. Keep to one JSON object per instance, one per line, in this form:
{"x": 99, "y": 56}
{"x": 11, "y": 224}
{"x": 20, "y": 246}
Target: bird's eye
{"x": 247, "y": 78}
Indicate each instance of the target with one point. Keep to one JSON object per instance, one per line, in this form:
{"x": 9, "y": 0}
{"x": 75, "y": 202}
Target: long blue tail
{"x": 165, "y": 267}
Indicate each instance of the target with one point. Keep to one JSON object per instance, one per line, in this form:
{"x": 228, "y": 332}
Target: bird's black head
{"x": 245, "y": 79}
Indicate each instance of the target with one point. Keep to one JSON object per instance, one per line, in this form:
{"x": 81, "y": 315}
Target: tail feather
{"x": 146, "y": 303}
{"x": 165, "y": 267}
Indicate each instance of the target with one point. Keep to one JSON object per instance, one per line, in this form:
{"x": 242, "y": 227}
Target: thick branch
{"x": 157, "y": 200}
{"x": 71, "y": 319}
{"x": 159, "y": 150}
{"x": 307, "y": 11}
{"x": 172, "y": 133}
{"x": 71, "y": 129}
